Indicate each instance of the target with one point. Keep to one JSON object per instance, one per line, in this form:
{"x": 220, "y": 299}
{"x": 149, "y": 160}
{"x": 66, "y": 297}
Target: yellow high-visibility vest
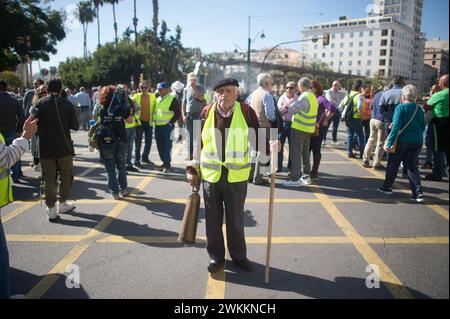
{"x": 163, "y": 114}
{"x": 6, "y": 195}
{"x": 306, "y": 122}
{"x": 137, "y": 98}
{"x": 236, "y": 149}
{"x": 355, "y": 96}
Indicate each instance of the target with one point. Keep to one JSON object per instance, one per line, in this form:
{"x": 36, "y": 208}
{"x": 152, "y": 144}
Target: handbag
{"x": 188, "y": 229}
{"x": 393, "y": 148}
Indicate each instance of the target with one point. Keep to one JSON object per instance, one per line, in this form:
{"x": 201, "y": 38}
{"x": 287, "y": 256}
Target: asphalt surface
{"x": 324, "y": 237}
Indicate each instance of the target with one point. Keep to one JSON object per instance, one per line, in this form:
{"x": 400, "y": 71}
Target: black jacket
{"x": 12, "y": 116}
{"x": 53, "y": 143}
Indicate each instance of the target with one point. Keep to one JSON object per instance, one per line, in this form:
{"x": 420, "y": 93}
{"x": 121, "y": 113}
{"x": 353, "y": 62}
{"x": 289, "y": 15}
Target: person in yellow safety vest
{"x": 354, "y": 126}
{"x": 167, "y": 112}
{"x": 207, "y": 97}
{"x": 221, "y": 161}
{"x": 131, "y": 124}
{"x": 146, "y": 102}
{"x": 8, "y": 156}
{"x": 304, "y": 118}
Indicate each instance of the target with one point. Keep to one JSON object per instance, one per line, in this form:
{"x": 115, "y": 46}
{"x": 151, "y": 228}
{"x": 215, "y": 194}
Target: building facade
{"x": 386, "y": 43}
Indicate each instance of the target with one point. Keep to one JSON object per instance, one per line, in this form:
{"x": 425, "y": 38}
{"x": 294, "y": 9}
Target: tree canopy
{"x": 29, "y": 30}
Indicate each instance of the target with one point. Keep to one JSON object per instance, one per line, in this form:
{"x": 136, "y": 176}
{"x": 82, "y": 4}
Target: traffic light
{"x": 326, "y": 39}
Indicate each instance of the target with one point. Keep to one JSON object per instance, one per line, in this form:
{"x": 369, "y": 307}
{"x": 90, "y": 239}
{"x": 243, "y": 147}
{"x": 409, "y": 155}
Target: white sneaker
{"x": 65, "y": 207}
{"x": 291, "y": 183}
{"x": 306, "y": 180}
{"x": 335, "y": 143}
{"x": 52, "y": 213}
{"x": 37, "y": 168}
{"x": 124, "y": 192}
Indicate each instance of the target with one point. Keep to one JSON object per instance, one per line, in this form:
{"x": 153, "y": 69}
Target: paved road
{"x": 325, "y": 236}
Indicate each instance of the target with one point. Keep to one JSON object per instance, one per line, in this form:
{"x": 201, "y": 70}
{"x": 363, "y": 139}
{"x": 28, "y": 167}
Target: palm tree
{"x": 155, "y": 16}
{"x": 113, "y": 3}
{"x": 85, "y": 15}
{"x": 97, "y": 4}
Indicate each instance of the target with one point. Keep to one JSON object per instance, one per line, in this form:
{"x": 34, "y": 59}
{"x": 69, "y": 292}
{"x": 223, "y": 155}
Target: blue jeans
{"x": 285, "y": 133}
{"x": 16, "y": 169}
{"x": 164, "y": 143}
{"x": 4, "y": 266}
{"x": 113, "y": 158}
{"x": 336, "y": 120}
{"x": 354, "y": 126}
{"x": 131, "y": 136}
{"x": 147, "y": 130}
{"x": 409, "y": 154}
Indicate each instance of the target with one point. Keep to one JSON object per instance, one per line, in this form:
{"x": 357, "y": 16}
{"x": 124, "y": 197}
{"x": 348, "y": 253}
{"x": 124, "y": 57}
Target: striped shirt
{"x": 9, "y": 155}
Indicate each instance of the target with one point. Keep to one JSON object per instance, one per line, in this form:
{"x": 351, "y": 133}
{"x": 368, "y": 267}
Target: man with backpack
{"x": 56, "y": 118}
{"x": 352, "y": 106}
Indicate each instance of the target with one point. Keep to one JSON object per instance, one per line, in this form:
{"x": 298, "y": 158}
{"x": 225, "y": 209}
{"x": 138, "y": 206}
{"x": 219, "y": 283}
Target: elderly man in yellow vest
{"x": 8, "y": 156}
{"x": 167, "y": 112}
{"x": 304, "y": 118}
{"x": 146, "y": 103}
{"x": 222, "y": 163}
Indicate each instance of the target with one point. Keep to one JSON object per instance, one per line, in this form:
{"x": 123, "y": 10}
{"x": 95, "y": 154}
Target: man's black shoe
{"x": 214, "y": 265}
{"x": 132, "y": 169}
{"x": 244, "y": 264}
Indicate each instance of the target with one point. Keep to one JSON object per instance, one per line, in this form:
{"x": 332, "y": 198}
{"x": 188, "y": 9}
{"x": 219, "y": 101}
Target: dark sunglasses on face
{"x": 144, "y": 87}
{"x": 290, "y": 88}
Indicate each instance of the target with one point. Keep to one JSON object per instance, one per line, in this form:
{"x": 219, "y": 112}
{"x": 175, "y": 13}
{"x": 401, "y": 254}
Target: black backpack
{"x": 348, "y": 107}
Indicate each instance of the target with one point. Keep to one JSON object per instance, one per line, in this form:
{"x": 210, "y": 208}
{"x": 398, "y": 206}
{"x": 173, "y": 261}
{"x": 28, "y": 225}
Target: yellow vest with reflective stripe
{"x": 137, "y": 99}
{"x": 163, "y": 114}
{"x": 135, "y": 122}
{"x": 356, "y": 95}
{"x": 306, "y": 122}
{"x": 6, "y": 195}
{"x": 236, "y": 149}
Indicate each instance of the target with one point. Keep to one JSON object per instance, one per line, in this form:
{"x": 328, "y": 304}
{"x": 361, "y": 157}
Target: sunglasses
{"x": 290, "y": 88}
{"x": 144, "y": 87}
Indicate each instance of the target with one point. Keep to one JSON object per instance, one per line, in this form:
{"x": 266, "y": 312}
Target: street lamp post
{"x": 249, "y": 47}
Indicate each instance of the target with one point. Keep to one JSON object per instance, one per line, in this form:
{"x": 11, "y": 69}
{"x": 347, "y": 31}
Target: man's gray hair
{"x": 409, "y": 93}
{"x": 263, "y": 79}
{"x": 305, "y": 83}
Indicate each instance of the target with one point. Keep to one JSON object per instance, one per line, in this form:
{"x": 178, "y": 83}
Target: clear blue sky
{"x": 216, "y": 26}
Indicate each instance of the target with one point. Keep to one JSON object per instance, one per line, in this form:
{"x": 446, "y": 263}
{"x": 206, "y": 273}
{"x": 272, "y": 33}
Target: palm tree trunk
{"x": 135, "y": 20}
{"x": 155, "y": 16}
{"x": 84, "y": 41}
{"x": 115, "y": 23}
{"x": 98, "y": 26}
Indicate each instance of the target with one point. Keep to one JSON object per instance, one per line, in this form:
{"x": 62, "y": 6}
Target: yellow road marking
{"x": 437, "y": 209}
{"x": 391, "y": 281}
{"x": 16, "y": 212}
{"x": 215, "y": 286}
{"x": 88, "y": 171}
{"x": 50, "y": 279}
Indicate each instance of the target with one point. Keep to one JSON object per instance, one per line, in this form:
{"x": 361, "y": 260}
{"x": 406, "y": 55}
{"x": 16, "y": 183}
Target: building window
{"x": 361, "y": 34}
{"x": 333, "y": 36}
{"x": 315, "y": 47}
{"x": 342, "y": 45}
{"x": 331, "y": 63}
{"x": 359, "y": 53}
{"x": 341, "y": 54}
{"x": 350, "y": 63}
{"x": 433, "y": 63}
{"x": 381, "y": 72}
{"x": 359, "y": 63}
{"x": 358, "y": 72}
{"x": 368, "y": 73}
{"x": 361, "y": 44}
{"x": 332, "y": 54}
{"x": 369, "y": 53}
{"x": 370, "y": 43}
{"x": 352, "y": 34}
{"x": 341, "y": 63}
{"x": 350, "y": 54}
{"x": 342, "y": 35}
{"x": 383, "y": 43}
{"x": 369, "y": 62}
{"x": 384, "y": 32}
{"x": 332, "y": 45}
{"x": 371, "y": 34}
{"x": 382, "y": 62}
{"x": 434, "y": 56}
{"x": 350, "y": 72}
{"x": 323, "y": 55}
{"x": 351, "y": 44}
{"x": 392, "y": 32}
{"x": 383, "y": 52}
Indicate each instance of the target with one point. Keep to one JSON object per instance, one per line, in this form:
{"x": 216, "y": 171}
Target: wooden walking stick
{"x": 273, "y": 170}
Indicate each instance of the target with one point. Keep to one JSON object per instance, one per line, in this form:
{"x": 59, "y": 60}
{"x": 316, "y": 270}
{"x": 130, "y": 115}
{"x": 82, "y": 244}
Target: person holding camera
{"x": 56, "y": 118}
{"x": 112, "y": 112}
